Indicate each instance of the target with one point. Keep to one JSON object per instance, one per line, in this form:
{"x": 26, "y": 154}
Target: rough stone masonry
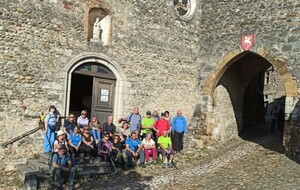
{"x": 166, "y": 63}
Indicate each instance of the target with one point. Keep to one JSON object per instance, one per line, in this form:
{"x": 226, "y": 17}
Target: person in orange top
{"x": 161, "y": 125}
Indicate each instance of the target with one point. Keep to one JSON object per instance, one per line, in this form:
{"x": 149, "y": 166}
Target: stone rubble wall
{"x": 275, "y": 28}
{"x": 166, "y": 60}
{"x": 156, "y": 51}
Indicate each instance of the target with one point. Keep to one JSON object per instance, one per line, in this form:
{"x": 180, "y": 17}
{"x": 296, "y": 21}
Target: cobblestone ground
{"x": 240, "y": 164}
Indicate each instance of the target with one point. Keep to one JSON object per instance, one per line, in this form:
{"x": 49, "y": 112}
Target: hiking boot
{"x": 171, "y": 165}
{"x": 142, "y": 165}
{"x": 164, "y": 165}
{"x": 91, "y": 161}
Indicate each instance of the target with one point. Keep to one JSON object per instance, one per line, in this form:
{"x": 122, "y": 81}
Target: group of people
{"x": 139, "y": 138}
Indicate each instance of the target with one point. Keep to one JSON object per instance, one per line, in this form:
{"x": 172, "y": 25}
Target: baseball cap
{"x": 148, "y": 113}
{"x": 62, "y": 146}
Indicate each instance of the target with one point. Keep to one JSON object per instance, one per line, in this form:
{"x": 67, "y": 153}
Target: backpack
{"x": 42, "y": 121}
{"x": 51, "y": 158}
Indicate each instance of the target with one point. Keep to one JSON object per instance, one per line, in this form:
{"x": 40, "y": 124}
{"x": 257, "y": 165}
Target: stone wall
{"x": 275, "y": 27}
{"x": 157, "y": 52}
{"x": 166, "y": 60}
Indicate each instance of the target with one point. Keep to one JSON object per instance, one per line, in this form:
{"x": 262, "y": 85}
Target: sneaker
{"x": 164, "y": 165}
{"x": 81, "y": 161}
{"x": 154, "y": 162}
{"x": 171, "y": 165}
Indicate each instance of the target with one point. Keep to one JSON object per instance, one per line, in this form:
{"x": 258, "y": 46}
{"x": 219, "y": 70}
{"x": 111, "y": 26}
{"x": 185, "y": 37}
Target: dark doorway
{"x": 252, "y": 92}
{"x": 93, "y": 89}
{"x": 81, "y": 94}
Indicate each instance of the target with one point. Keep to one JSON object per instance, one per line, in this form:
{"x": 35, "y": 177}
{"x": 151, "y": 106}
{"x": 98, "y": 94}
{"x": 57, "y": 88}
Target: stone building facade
{"x": 157, "y": 55}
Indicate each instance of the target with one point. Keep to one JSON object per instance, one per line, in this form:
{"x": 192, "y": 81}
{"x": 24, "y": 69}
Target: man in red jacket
{"x": 161, "y": 125}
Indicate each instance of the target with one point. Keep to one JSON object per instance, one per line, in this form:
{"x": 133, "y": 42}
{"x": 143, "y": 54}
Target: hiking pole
{"x": 112, "y": 163}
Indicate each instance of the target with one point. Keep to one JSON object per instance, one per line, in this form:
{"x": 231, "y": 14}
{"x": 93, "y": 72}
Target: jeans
{"x": 129, "y": 157}
{"x": 96, "y": 134}
{"x": 58, "y": 173}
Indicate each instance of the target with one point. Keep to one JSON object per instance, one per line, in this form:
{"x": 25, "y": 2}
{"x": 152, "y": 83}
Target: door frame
{"x": 122, "y": 83}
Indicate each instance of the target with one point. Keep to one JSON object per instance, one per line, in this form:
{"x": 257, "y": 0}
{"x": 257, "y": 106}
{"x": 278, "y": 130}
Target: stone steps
{"x": 35, "y": 174}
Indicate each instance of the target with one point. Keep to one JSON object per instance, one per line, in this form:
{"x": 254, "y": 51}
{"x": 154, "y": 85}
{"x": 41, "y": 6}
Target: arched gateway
{"x": 96, "y": 84}
{"x": 234, "y": 91}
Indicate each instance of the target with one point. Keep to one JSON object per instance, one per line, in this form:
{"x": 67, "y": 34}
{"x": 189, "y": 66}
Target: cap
{"x": 62, "y": 146}
{"x": 148, "y": 113}
{"x": 163, "y": 114}
{"x": 60, "y": 133}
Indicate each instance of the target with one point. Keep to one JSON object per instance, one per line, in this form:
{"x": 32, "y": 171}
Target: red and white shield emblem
{"x": 247, "y": 42}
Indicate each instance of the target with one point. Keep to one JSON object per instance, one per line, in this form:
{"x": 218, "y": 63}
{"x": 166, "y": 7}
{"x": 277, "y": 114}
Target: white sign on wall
{"x": 104, "y": 95}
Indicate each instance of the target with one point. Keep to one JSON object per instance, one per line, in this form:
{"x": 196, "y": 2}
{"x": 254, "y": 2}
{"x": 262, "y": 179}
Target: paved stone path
{"x": 239, "y": 164}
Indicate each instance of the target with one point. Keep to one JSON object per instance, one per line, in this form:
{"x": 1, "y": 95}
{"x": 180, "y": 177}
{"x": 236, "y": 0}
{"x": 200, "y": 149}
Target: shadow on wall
{"x": 291, "y": 138}
{"x": 123, "y": 180}
{"x": 262, "y": 133}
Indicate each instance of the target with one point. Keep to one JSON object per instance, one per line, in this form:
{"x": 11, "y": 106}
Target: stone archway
{"x": 121, "y": 87}
{"x": 210, "y": 87}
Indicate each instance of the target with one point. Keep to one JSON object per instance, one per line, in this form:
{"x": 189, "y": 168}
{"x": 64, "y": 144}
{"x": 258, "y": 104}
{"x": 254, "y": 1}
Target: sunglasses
{"x": 72, "y": 117}
{"x": 83, "y": 114}
{"x": 85, "y": 129}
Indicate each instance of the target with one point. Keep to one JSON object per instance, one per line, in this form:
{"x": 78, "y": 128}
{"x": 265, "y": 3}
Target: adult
{"x": 155, "y": 115}
{"x": 88, "y": 143}
{"x": 75, "y": 144}
{"x": 149, "y": 148}
{"x": 117, "y": 149}
{"x": 109, "y": 127}
{"x": 161, "y": 125}
{"x": 168, "y": 118}
{"x": 105, "y": 150}
{"x": 179, "y": 130}
{"x": 62, "y": 166}
{"x": 50, "y": 126}
{"x": 134, "y": 150}
{"x": 134, "y": 119}
{"x": 60, "y": 140}
{"x": 69, "y": 125}
{"x": 125, "y": 131}
{"x": 147, "y": 124}
{"x": 280, "y": 121}
{"x": 95, "y": 127}
{"x": 274, "y": 118}
{"x": 82, "y": 120}
{"x": 166, "y": 149}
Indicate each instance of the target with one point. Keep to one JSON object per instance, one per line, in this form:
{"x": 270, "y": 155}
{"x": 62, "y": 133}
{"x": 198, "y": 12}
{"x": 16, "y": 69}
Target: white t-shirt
{"x": 148, "y": 143}
{"x": 56, "y": 142}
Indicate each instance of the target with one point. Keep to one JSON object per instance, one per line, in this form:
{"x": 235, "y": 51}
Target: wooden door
{"x": 103, "y": 98}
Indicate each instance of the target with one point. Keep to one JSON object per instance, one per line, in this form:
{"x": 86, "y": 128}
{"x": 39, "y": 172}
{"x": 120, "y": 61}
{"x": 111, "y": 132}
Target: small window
{"x": 101, "y": 69}
{"x": 84, "y": 67}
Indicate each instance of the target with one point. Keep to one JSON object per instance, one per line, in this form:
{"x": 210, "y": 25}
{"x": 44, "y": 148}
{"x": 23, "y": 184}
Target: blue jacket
{"x": 179, "y": 124}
